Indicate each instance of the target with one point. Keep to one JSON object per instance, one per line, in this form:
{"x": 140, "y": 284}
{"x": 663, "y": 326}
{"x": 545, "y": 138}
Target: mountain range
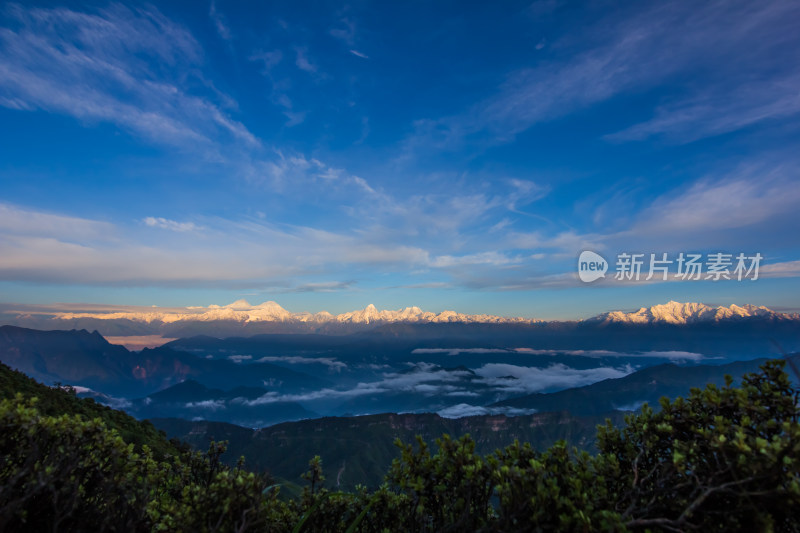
{"x": 242, "y": 318}
{"x": 243, "y": 311}
{"x": 687, "y": 313}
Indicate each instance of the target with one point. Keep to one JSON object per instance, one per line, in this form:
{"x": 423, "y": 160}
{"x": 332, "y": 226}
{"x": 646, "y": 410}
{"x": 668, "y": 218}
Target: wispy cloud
{"x": 21, "y": 222}
{"x": 786, "y": 269}
{"x": 483, "y": 258}
{"x": 302, "y": 60}
{"x": 345, "y": 31}
{"x": 268, "y": 59}
{"x": 722, "y": 209}
{"x": 112, "y": 66}
{"x": 637, "y": 51}
{"x": 448, "y": 214}
{"x": 359, "y": 54}
{"x": 721, "y": 109}
{"x": 719, "y": 211}
{"x": 220, "y": 24}
{"x": 521, "y": 379}
{"x": 209, "y": 405}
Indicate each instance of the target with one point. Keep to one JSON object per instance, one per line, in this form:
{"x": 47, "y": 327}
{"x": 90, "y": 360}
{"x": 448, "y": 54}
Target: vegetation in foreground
{"x": 723, "y": 459}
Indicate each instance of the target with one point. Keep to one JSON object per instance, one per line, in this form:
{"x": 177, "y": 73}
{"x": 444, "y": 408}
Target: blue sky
{"x": 449, "y": 155}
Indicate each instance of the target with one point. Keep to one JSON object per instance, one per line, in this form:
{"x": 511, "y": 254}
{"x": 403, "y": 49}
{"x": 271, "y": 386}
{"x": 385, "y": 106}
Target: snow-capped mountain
{"x": 270, "y": 314}
{"x": 243, "y": 311}
{"x": 687, "y": 313}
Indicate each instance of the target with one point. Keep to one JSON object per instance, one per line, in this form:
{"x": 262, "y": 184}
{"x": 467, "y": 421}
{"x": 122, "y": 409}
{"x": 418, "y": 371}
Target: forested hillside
{"x": 359, "y": 450}
{"x": 54, "y": 401}
{"x": 723, "y": 459}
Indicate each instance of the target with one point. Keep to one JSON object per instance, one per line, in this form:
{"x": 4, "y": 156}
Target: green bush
{"x": 70, "y": 474}
{"x": 723, "y": 459}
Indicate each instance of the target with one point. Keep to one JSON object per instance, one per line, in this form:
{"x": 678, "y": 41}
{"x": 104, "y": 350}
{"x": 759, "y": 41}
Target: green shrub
{"x": 70, "y": 474}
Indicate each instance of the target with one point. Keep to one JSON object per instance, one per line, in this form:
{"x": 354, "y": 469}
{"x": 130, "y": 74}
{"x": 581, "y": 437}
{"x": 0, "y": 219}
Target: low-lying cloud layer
{"x": 671, "y": 354}
{"x": 491, "y": 382}
{"x": 463, "y": 409}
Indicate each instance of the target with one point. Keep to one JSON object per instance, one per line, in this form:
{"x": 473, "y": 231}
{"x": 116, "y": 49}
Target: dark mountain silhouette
{"x": 74, "y": 356}
{"x": 80, "y": 358}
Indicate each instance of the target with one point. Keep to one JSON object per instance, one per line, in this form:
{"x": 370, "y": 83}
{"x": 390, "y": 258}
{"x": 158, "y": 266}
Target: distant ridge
{"x": 86, "y": 359}
{"x": 242, "y": 311}
{"x": 365, "y": 444}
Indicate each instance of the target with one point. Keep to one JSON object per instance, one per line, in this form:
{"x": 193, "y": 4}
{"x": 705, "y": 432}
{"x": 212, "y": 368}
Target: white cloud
{"x": 164, "y": 223}
{"x": 490, "y": 380}
{"x": 210, "y": 405}
{"x": 674, "y": 355}
{"x": 461, "y": 410}
{"x": 786, "y": 269}
{"x": 61, "y": 249}
{"x": 422, "y": 378}
{"x": 483, "y": 258}
{"x": 746, "y": 198}
{"x": 633, "y": 406}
